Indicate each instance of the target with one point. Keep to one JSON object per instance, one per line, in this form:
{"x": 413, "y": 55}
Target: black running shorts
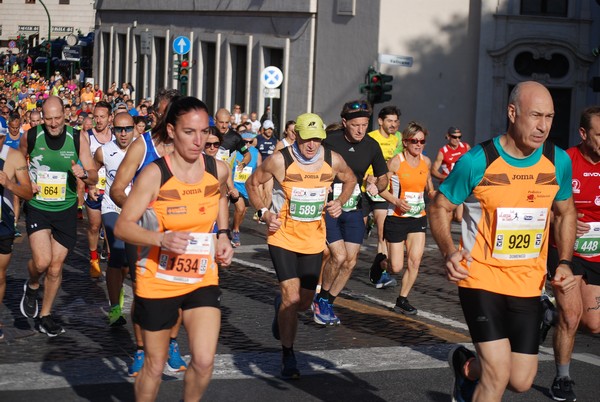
{"x": 289, "y": 264}
{"x": 492, "y": 316}
{"x": 159, "y": 314}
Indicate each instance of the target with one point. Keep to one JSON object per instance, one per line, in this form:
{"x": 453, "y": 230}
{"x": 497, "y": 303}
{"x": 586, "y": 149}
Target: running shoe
{"x": 175, "y": 362}
{"x": 29, "y": 303}
{"x": 549, "y": 317}
{"x": 562, "y": 389}
{"x": 1, "y": 334}
{"x": 103, "y": 254}
{"x": 404, "y": 307}
{"x": 49, "y": 327}
{"x": 235, "y": 239}
{"x": 95, "y": 271}
{"x": 115, "y": 317}
{"x": 275, "y": 323}
{"x": 101, "y": 233}
{"x": 17, "y": 231}
{"x": 333, "y": 319}
{"x": 462, "y": 387}
{"x": 385, "y": 281}
{"x": 320, "y": 309}
{"x": 289, "y": 367}
{"x": 138, "y": 363}
{"x": 376, "y": 271}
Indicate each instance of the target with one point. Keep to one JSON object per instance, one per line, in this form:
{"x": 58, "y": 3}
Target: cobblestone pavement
{"x": 91, "y": 353}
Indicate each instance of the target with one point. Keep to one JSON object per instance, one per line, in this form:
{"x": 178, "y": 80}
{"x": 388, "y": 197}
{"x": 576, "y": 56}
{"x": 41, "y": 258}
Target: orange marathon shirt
{"x": 180, "y": 207}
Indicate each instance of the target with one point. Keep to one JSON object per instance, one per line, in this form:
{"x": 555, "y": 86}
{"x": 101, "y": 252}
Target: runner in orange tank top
{"x": 296, "y": 234}
{"x": 509, "y": 185}
{"x": 178, "y": 261}
{"x": 406, "y": 223}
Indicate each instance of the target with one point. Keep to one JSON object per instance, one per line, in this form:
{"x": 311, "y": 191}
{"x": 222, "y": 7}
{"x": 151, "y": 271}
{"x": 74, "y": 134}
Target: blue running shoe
{"x": 175, "y": 362}
{"x": 138, "y": 363}
{"x": 235, "y": 239}
{"x": 275, "y": 323}
{"x": 333, "y": 319}
{"x": 320, "y": 309}
{"x": 1, "y": 334}
{"x": 462, "y": 388}
{"x": 385, "y": 281}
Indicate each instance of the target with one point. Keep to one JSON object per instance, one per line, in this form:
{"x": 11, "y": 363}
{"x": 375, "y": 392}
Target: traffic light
{"x": 375, "y": 86}
{"x": 176, "y": 69}
{"x": 385, "y": 88}
{"x": 183, "y": 71}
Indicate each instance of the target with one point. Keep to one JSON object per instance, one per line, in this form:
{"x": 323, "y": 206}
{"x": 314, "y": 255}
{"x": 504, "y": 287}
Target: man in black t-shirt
{"x": 345, "y": 234}
{"x": 232, "y": 140}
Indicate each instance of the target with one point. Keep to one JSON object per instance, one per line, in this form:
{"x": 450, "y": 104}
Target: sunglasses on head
{"x": 212, "y": 145}
{"x": 357, "y": 106}
{"x": 456, "y": 136}
{"x": 414, "y": 141}
{"x": 128, "y": 129}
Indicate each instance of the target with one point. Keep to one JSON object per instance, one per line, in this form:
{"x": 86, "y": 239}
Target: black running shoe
{"x": 562, "y": 389}
{"x": 289, "y": 369}
{"x": 404, "y": 307}
{"x": 462, "y": 388}
{"x": 549, "y": 315}
{"x": 29, "y": 303}
{"x": 49, "y": 327}
{"x": 376, "y": 271}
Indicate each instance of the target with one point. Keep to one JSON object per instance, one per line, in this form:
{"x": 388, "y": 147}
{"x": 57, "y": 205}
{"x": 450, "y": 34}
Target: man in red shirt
{"x": 447, "y": 157}
{"x": 581, "y": 307}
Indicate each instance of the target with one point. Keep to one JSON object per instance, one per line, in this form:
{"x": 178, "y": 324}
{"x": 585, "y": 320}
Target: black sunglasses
{"x": 414, "y": 141}
{"x": 128, "y": 129}
{"x": 456, "y": 137}
{"x": 248, "y": 141}
{"x": 212, "y": 144}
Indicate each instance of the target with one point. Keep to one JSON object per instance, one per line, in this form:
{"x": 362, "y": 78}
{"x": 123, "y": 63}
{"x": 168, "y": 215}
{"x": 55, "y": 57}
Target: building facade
{"x": 27, "y": 20}
{"x": 461, "y": 57}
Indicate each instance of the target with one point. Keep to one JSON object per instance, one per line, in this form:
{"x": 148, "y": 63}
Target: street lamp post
{"x": 49, "y": 55}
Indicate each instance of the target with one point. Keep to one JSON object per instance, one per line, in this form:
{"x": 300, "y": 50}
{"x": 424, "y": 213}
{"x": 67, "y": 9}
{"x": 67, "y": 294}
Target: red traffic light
{"x": 375, "y": 79}
{"x": 185, "y": 63}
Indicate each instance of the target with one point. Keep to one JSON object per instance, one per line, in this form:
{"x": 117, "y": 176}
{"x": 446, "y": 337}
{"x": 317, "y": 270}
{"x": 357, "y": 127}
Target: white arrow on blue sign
{"x": 272, "y": 77}
{"x": 182, "y": 45}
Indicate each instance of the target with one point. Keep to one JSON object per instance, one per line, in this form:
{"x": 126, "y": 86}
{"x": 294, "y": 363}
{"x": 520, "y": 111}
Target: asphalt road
{"x": 375, "y": 355}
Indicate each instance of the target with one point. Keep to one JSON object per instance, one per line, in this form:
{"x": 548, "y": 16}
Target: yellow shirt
{"x": 388, "y": 145}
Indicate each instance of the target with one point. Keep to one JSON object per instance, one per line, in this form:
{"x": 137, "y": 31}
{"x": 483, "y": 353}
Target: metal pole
{"x": 271, "y": 109}
{"x": 50, "y": 43}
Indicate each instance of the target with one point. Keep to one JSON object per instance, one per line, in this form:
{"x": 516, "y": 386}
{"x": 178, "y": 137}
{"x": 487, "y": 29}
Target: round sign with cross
{"x": 271, "y": 77}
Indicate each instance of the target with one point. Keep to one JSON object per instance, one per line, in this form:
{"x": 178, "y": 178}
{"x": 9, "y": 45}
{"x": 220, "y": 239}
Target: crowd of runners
{"x": 156, "y": 180}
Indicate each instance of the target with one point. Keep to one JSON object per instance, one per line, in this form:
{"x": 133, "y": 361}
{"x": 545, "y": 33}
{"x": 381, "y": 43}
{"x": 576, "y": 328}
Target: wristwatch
{"x": 261, "y": 212}
{"x": 226, "y": 231}
{"x": 85, "y": 175}
{"x": 567, "y": 263}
